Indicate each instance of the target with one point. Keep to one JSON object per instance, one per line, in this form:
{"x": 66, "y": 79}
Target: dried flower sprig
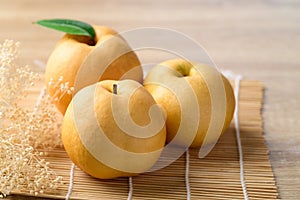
{"x": 12, "y": 77}
{"x": 60, "y": 87}
{"x": 22, "y": 130}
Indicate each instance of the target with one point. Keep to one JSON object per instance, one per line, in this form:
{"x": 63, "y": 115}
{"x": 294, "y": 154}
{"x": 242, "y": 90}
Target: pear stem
{"x": 115, "y": 87}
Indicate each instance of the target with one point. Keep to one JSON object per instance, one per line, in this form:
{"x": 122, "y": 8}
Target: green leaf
{"x": 73, "y": 27}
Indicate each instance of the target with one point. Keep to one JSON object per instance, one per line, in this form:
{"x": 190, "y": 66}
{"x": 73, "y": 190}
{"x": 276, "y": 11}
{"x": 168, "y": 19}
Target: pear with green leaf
{"x": 85, "y": 55}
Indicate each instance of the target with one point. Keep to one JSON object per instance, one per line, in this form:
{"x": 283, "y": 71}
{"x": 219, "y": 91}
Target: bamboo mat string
{"x": 187, "y": 169}
{"x": 130, "y": 188}
{"x": 38, "y": 102}
{"x": 237, "y": 80}
{"x": 71, "y": 182}
{"x": 237, "y": 131}
{"x": 41, "y": 65}
{"x": 42, "y": 94}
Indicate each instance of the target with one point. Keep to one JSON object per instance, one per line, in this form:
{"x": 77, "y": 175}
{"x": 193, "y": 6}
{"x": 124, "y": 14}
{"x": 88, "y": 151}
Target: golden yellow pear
{"x": 69, "y": 58}
{"x": 113, "y": 129}
{"x": 196, "y": 97}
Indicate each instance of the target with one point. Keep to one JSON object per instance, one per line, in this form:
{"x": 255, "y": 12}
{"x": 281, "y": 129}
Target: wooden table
{"x": 258, "y": 39}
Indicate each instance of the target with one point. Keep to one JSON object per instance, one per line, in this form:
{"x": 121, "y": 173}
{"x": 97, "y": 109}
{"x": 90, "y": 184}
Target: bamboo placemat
{"x": 217, "y": 176}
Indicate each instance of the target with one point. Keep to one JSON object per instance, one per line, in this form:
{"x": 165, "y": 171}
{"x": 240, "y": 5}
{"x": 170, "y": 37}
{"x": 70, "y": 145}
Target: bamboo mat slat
{"x": 215, "y": 177}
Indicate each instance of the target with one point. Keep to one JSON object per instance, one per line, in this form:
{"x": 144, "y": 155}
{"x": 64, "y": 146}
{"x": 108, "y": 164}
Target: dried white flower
{"x": 22, "y": 131}
{"x": 61, "y": 88}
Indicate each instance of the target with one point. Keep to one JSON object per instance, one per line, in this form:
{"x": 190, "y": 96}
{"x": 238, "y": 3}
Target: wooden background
{"x": 258, "y": 39}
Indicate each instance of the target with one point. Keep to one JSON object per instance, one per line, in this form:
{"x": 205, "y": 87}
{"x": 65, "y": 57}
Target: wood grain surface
{"x": 258, "y": 39}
